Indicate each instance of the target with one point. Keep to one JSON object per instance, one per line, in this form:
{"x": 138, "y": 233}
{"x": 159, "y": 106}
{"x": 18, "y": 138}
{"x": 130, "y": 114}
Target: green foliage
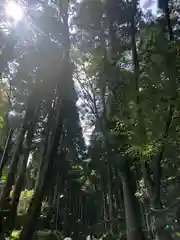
{"x": 24, "y": 201}
{"x": 14, "y": 235}
{"x": 3, "y": 176}
{"x": 124, "y": 105}
{"x": 142, "y": 151}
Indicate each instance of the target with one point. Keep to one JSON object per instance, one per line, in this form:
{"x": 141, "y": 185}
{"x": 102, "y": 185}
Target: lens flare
{"x": 14, "y": 11}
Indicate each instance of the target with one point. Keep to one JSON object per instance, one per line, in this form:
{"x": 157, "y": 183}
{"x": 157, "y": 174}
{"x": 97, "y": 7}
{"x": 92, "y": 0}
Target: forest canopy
{"x": 89, "y": 119}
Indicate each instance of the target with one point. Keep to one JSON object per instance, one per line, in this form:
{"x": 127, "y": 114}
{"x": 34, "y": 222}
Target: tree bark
{"x": 18, "y": 150}
{"x": 35, "y": 205}
{"x": 4, "y": 158}
{"x": 158, "y": 221}
{"x": 110, "y": 197}
{"x": 132, "y": 208}
{"x": 22, "y": 173}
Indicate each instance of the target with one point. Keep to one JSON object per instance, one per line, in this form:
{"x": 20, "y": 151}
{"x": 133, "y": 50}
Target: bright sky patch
{"x": 14, "y": 11}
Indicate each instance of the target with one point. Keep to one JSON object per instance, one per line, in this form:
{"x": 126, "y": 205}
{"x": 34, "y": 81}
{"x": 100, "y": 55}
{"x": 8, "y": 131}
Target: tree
{"x": 113, "y": 73}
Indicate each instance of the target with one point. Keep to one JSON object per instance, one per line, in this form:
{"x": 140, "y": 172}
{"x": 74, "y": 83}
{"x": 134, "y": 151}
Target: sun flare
{"x": 14, "y": 11}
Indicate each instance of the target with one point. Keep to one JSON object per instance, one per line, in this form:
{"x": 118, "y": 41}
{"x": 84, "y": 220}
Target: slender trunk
{"x": 132, "y": 209}
{"x": 46, "y": 136}
{"x": 119, "y": 194}
{"x": 18, "y": 151}
{"x": 21, "y": 177}
{"x": 135, "y": 59}
{"x": 153, "y": 185}
{"x": 110, "y": 198}
{"x": 4, "y": 200}
{"x": 13, "y": 166}
{"x": 4, "y": 158}
{"x": 157, "y": 221}
{"x": 104, "y": 211}
{"x": 168, "y": 20}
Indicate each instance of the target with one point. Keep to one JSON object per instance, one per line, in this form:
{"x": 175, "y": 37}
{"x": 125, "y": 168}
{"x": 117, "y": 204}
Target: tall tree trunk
{"x": 110, "y": 197}
{"x": 7, "y": 148}
{"x": 132, "y": 208}
{"x": 18, "y": 151}
{"x": 104, "y": 210}
{"x": 153, "y": 184}
{"x": 13, "y": 166}
{"x": 158, "y": 221}
{"x": 35, "y": 206}
{"x": 22, "y": 173}
{"x": 4, "y": 200}
{"x": 65, "y": 90}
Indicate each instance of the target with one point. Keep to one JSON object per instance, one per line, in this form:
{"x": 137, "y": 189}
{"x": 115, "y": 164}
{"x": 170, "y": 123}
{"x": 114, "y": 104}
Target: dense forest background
{"x": 90, "y": 120}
